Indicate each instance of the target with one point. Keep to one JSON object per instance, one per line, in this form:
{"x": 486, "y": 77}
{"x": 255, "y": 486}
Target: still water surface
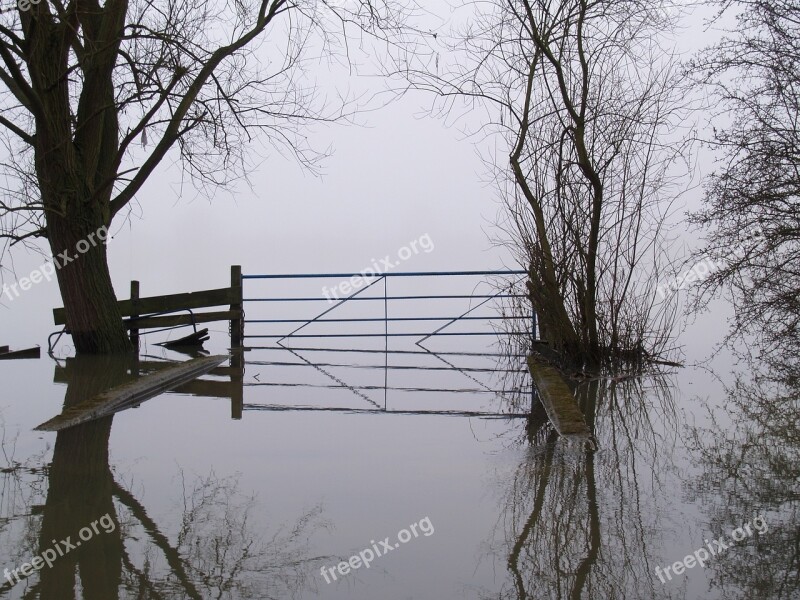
{"x": 200, "y": 505}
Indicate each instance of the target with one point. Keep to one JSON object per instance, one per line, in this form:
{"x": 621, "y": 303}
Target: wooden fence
{"x": 152, "y": 313}
{"x": 157, "y": 312}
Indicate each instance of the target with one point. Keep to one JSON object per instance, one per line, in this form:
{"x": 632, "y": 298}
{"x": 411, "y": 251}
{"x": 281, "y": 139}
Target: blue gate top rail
{"x": 401, "y": 274}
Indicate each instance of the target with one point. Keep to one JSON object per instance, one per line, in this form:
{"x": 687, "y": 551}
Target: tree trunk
{"x": 92, "y": 315}
{"x": 76, "y": 153}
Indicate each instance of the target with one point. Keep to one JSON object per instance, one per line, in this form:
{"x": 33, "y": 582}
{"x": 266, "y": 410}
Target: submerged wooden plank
{"x": 557, "y": 399}
{"x": 35, "y": 352}
{"x": 133, "y": 392}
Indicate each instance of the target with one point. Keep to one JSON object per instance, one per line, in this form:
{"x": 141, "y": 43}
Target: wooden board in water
{"x": 34, "y": 352}
{"x": 558, "y": 400}
{"x": 133, "y": 392}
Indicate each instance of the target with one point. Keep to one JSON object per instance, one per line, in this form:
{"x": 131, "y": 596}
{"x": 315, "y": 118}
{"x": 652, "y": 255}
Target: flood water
{"x": 380, "y": 456}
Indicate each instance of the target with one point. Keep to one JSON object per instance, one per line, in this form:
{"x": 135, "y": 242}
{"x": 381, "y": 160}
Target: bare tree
{"x": 752, "y": 201}
{"x": 96, "y": 95}
{"x": 587, "y": 106}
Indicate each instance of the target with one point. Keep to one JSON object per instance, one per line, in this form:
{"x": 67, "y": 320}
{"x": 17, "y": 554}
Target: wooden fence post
{"x": 237, "y": 342}
{"x": 237, "y": 322}
{"x": 134, "y": 314}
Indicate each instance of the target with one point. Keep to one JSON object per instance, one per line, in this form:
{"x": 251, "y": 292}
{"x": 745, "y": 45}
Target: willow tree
{"x": 582, "y": 101}
{"x": 94, "y": 96}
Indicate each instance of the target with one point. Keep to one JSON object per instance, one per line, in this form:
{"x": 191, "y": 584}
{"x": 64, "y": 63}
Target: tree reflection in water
{"x": 215, "y": 552}
{"x": 577, "y": 522}
{"x": 752, "y": 467}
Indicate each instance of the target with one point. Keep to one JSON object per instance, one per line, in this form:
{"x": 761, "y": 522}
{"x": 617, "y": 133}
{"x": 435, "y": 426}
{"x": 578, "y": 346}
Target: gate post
{"x": 237, "y": 342}
{"x": 237, "y": 322}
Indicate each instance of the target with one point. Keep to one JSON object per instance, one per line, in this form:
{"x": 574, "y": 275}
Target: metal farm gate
{"x": 411, "y": 343}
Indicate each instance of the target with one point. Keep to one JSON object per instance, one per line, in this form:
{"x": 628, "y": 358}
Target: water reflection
{"x": 213, "y": 549}
{"x": 79, "y": 492}
{"x": 752, "y": 467}
{"x": 578, "y": 522}
{"x": 573, "y": 521}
